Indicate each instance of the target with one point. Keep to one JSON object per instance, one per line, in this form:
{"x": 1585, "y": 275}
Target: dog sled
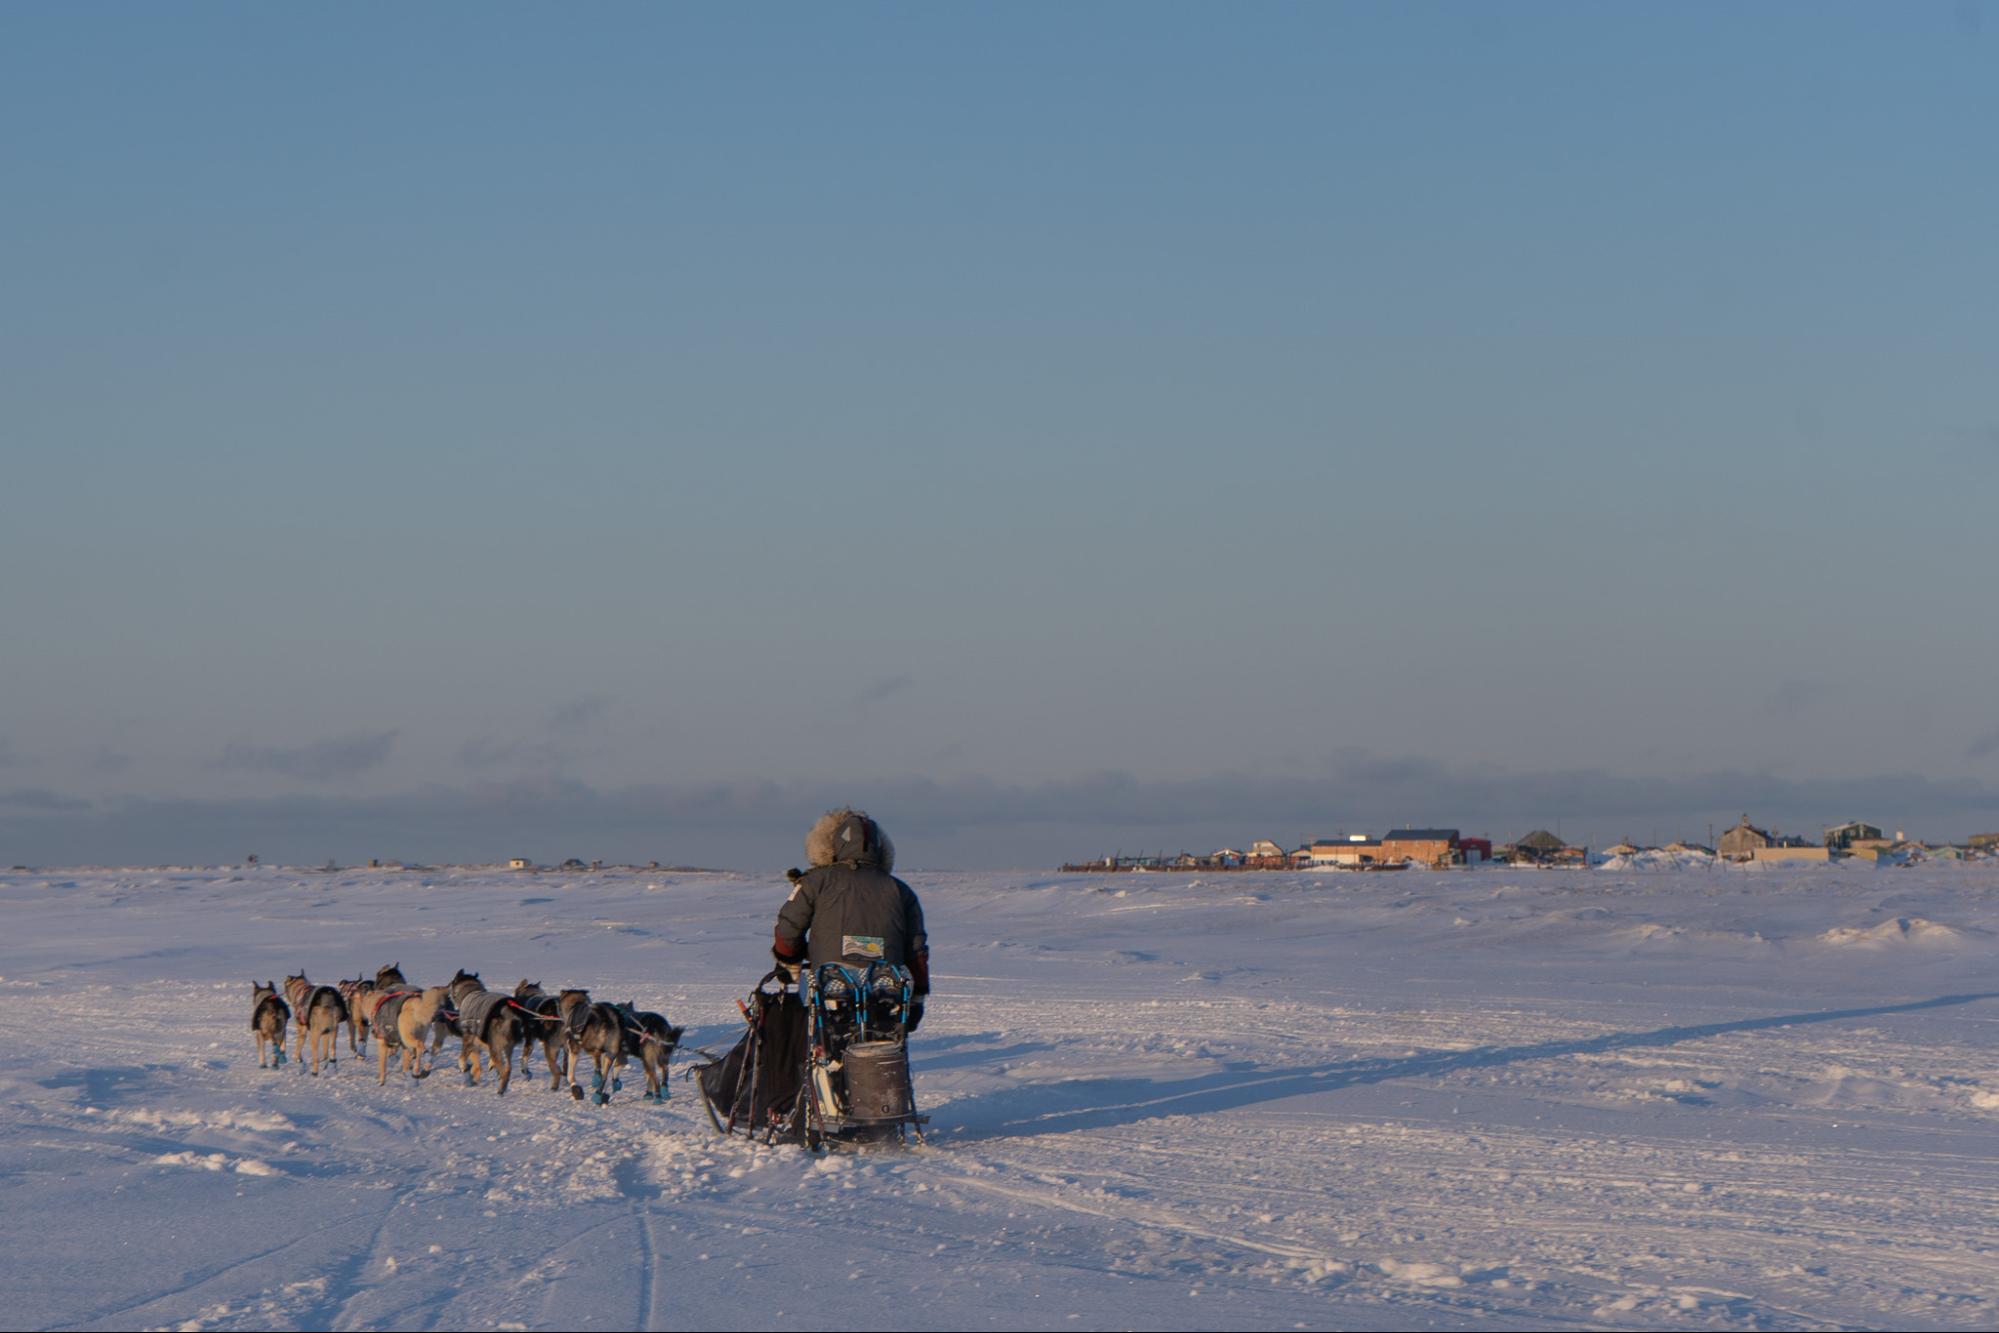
{"x": 823, "y": 1063}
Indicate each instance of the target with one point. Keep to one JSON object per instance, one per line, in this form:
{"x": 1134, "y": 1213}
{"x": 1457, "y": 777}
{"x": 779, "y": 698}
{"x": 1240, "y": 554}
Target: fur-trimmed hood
{"x": 848, "y": 835}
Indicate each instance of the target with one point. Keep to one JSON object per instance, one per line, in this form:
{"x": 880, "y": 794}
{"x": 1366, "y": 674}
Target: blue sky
{"x": 623, "y": 431}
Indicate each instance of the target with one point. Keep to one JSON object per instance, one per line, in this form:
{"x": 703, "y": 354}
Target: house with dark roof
{"x": 1740, "y": 843}
{"x": 1421, "y": 846}
{"x": 1853, "y": 836}
{"x": 1542, "y": 848}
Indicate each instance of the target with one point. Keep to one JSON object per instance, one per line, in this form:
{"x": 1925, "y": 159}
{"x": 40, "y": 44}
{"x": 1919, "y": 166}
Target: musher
{"x": 849, "y": 909}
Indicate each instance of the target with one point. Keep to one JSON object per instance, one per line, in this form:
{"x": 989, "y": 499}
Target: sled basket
{"x": 755, "y": 1087}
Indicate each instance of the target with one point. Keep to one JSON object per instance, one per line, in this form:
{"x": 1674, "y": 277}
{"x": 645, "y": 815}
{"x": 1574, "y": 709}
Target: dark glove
{"x": 915, "y": 1015}
{"x": 788, "y": 966}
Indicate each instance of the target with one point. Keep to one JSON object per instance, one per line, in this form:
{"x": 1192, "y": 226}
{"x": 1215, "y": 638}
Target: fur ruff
{"x": 819, "y": 842}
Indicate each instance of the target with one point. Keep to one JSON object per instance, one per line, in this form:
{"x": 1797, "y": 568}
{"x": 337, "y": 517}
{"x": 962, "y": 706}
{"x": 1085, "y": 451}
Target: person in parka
{"x": 848, "y": 908}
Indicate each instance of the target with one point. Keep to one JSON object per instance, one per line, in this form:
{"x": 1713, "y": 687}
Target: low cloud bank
{"x": 972, "y": 823}
{"x": 321, "y": 761}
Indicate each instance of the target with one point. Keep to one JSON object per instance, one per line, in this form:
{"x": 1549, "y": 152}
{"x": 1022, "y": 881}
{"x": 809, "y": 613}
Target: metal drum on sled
{"x": 877, "y": 1081}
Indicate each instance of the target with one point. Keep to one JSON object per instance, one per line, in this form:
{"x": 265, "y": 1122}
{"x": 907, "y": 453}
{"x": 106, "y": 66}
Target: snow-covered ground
{"x": 1684, "y": 1099}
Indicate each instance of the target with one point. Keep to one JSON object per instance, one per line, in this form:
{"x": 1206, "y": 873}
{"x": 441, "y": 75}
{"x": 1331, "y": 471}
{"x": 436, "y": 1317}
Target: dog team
{"x": 413, "y": 1022}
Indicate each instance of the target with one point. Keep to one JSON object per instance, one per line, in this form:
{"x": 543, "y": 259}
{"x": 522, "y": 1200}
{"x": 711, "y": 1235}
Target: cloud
{"x": 9, "y": 756}
{"x": 554, "y": 743}
{"x": 322, "y": 761}
{"x": 488, "y": 753}
{"x": 1986, "y": 744}
{"x": 40, "y": 800}
{"x": 972, "y": 822}
{"x": 578, "y": 713}
{"x": 1793, "y": 697}
{"x": 883, "y": 690}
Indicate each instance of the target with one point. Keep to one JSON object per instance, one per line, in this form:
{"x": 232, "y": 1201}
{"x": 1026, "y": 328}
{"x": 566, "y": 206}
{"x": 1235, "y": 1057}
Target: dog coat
{"x": 476, "y": 1008}
{"x": 269, "y": 1001}
{"x": 387, "y": 1029}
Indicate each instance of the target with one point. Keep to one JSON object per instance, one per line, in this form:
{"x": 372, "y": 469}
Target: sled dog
{"x": 541, "y": 1021}
{"x": 360, "y": 996}
{"x": 597, "y": 1031}
{"x": 650, "y": 1037}
{"x": 488, "y": 1023}
{"x": 320, "y": 1011}
{"x": 402, "y": 1023}
{"x": 268, "y": 1016}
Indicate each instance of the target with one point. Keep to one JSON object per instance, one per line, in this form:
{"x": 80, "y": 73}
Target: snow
{"x": 1657, "y": 858}
{"x": 1680, "y": 1097}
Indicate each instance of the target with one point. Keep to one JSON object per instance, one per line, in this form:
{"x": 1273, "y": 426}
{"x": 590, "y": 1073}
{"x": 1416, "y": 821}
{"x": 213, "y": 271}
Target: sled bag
{"x": 763, "y": 1072}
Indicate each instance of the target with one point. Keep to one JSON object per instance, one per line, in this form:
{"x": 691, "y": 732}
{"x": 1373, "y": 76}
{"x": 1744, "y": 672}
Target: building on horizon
{"x": 1741, "y": 842}
{"x": 1854, "y": 835}
{"x": 1422, "y": 846}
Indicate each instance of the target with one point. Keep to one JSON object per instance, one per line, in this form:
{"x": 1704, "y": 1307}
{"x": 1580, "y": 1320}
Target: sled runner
{"x": 825, "y": 1063}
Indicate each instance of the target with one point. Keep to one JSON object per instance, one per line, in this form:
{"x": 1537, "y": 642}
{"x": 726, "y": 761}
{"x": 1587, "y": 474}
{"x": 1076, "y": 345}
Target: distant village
{"x": 1447, "y": 848}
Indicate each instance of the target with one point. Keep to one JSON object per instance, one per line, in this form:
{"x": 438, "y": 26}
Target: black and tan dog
{"x": 595, "y": 1030}
{"x": 487, "y": 1023}
{"x": 268, "y": 1016}
{"x": 321, "y": 1010}
{"x": 650, "y": 1037}
{"x": 446, "y": 1023}
{"x": 402, "y": 1020}
{"x": 541, "y": 1021}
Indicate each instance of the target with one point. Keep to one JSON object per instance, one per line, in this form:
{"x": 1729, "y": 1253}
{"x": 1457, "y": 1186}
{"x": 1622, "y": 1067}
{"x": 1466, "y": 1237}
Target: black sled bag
{"x": 764, "y": 1071}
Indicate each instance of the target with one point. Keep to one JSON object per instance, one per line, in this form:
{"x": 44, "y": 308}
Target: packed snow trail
{"x": 1694, "y": 1099}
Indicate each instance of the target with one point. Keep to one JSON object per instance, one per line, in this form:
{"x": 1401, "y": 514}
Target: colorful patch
{"x": 863, "y": 946}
